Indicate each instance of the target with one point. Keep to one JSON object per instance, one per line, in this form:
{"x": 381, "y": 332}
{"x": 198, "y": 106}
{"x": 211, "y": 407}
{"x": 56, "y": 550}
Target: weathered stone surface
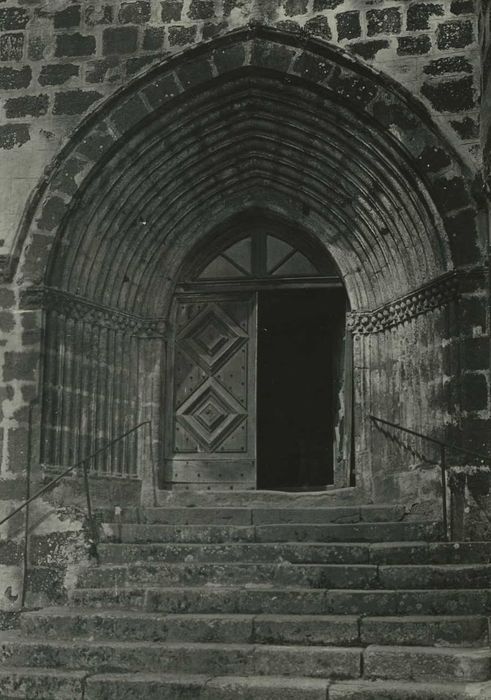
{"x": 33, "y": 106}
{"x": 19, "y": 365}
{"x": 462, "y": 7}
{"x": 320, "y": 5}
{"x": 295, "y": 7}
{"x": 201, "y": 9}
{"x": 153, "y": 38}
{"x": 348, "y": 25}
{"x": 75, "y": 101}
{"x": 318, "y": 26}
{"x": 467, "y": 128}
{"x": 104, "y": 69}
{"x": 448, "y": 64}
{"x": 368, "y": 49}
{"x": 15, "y": 78}
{"x": 75, "y": 44}
{"x": 426, "y": 663}
{"x": 98, "y": 14}
{"x": 384, "y": 21}
{"x": 455, "y": 34}
{"x": 137, "y": 12}
{"x": 413, "y": 45}
{"x": 13, "y": 18}
{"x": 171, "y": 10}
{"x": 58, "y": 73}
{"x": 419, "y": 14}
{"x": 13, "y": 135}
{"x": 119, "y": 40}
{"x": 450, "y": 95}
{"x": 67, "y": 18}
{"x": 11, "y": 47}
{"x": 474, "y": 392}
{"x": 179, "y": 36}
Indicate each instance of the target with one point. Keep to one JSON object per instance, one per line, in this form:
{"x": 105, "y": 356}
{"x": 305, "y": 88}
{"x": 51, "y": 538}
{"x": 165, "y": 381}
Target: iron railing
{"x": 444, "y": 447}
{"x": 84, "y": 465}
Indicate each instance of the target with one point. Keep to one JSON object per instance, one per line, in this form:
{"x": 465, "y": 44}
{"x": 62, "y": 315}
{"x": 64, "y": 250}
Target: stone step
{"x": 162, "y": 687}
{"x": 262, "y": 498}
{"x": 342, "y": 630}
{"x": 425, "y": 630}
{"x": 41, "y": 683}
{"x": 189, "y": 515}
{"x": 407, "y": 690}
{"x": 332, "y": 532}
{"x": 182, "y": 657}
{"x": 286, "y": 574}
{"x": 55, "y": 684}
{"x": 302, "y": 552}
{"x": 427, "y": 663}
{"x": 256, "y": 599}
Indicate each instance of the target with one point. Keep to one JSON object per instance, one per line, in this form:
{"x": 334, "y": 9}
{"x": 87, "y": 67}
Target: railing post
{"x": 443, "y": 465}
{"x": 92, "y": 525}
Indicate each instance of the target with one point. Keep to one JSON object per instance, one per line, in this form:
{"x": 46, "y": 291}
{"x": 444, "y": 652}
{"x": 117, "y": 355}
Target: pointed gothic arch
{"x": 258, "y": 119}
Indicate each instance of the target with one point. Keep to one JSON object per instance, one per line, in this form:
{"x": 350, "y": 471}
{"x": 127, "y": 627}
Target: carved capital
{"x": 432, "y": 296}
{"x": 81, "y": 309}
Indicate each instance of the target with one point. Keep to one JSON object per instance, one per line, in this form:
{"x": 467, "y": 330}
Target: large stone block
{"x": 11, "y": 47}
{"x": 348, "y": 24}
{"x": 318, "y": 26}
{"x": 456, "y": 95}
{"x": 75, "y": 44}
{"x": 420, "y": 13}
{"x": 67, "y": 18}
{"x": 171, "y": 10}
{"x": 384, "y": 21}
{"x": 137, "y": 12}
{"x": 180, "y": 35}
{"x": 13, "y": 18}
{"x": 13, "y": 135}
{"x": 28, "y": 105}
{"x": 119, "y": 40}
{"x": 455, "y": 34}
{"x": 368, "y": 49}
{"x": 201, "y": 9}
{"x": 15, "y": 78}
{"x": 20, "y": 365}
{"x": 58, "y": 73}
{"x": 75, "y": 101}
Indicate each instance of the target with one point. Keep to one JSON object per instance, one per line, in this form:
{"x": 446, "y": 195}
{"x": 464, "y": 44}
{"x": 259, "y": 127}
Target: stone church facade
{"x": 166, "y": 169}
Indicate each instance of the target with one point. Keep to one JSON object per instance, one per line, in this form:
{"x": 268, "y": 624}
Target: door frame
{"x": 343, "y": 462}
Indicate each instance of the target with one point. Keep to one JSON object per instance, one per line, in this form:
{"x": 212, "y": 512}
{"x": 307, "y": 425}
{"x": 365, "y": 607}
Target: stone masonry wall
{"x": 59, "y": 59}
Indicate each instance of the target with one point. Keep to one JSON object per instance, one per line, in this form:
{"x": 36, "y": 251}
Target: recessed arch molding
{"x": 256, "y": 121}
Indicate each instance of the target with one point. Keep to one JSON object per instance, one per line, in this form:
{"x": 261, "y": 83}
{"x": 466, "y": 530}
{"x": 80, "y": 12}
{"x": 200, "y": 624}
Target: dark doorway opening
{"x": 300, "y": 344}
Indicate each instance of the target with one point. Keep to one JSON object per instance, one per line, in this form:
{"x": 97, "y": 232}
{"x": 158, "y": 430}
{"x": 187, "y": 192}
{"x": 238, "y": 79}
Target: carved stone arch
{"x": 256, "y": 119}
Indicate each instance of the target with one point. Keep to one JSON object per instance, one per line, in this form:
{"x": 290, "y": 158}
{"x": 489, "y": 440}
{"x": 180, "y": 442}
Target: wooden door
{"x": 211, "y": 441}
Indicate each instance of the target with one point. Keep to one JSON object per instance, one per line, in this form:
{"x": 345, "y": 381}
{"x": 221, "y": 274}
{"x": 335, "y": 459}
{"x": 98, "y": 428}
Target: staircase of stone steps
{"x": 247, "y": 602}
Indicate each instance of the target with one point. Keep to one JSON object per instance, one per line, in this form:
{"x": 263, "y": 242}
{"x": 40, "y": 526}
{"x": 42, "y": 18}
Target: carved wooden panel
{"x": 213, "y": 402}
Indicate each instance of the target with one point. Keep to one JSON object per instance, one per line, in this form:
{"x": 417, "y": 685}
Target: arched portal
{"x": 258, "y": 383}
{"x": 259, "y": 120}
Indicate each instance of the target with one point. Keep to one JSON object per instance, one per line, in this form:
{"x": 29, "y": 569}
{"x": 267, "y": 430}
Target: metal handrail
{"x": 444, "y": 446}
{"x": 84, "y": 464}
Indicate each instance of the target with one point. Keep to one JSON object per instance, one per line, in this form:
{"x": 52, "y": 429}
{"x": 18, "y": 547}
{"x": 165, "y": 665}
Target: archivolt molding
{"x": 432, "y": 296}
{"x": 335, "y": 110}
{"x": 80, "y": 309}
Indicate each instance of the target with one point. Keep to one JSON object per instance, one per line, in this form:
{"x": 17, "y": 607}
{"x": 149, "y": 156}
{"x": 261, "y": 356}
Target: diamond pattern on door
{"x": 210, "y": 414}
{"x": 211, "y": 338}
{"x": 211, "y": 439}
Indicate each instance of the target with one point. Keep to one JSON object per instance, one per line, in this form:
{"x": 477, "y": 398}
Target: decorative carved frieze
{"x": 432, "y": 296}
{"x": 80, "y": 309}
